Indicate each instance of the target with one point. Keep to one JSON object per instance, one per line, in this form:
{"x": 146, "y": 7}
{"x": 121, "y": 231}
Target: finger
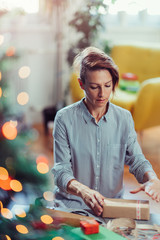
{"x": 148, "y": 189}
{"x": 96, "y": 207}
{"x": 154, "y": 196}
{"x": 100, "y": 199}
{"x": 158, "y": 198}
{"x": 141, "y": 188}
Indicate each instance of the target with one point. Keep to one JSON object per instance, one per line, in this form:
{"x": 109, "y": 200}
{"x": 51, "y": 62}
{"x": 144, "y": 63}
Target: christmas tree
{"x": 24, "y": 176}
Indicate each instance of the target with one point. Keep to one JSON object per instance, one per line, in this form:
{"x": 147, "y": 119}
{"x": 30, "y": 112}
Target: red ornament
{"x": 89, "y": 226}
{"x": 129, "y": 76}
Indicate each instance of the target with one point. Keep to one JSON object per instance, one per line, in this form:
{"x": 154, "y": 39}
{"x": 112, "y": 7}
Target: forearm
{"x": 149, "y": 175}
{"x": 76, "y": 188}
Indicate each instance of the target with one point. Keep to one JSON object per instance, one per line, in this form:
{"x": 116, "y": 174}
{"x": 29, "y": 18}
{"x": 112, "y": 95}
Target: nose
{"x": 101, "y": 92}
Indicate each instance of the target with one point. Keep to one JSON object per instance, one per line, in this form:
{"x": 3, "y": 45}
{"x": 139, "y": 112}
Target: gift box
{"x": 89, "y": 226}
{"x": 135, "y": 209}
{"x": 71, "y": 219}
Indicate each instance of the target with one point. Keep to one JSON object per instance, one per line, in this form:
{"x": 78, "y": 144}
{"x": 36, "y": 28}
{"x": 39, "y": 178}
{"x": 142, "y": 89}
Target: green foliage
{"x": 87, "y": 21}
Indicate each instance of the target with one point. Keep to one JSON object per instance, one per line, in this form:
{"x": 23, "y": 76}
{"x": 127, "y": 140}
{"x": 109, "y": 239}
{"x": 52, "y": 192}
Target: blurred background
{"x": 38, "y": 42}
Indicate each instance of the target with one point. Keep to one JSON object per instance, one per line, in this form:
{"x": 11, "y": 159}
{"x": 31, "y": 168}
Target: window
{"x": 134, "y": 6}
{"x": 29, "y": 6}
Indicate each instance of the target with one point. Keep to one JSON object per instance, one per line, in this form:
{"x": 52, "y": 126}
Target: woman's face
{"x": 98, "y": 87}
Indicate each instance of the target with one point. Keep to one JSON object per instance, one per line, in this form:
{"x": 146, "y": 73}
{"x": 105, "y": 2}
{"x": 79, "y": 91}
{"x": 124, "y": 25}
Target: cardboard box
{"x": 135, "y": 209}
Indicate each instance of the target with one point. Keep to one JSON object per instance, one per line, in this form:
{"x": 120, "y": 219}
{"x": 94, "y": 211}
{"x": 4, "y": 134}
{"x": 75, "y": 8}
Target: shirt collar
{"x": 88, "y": 117}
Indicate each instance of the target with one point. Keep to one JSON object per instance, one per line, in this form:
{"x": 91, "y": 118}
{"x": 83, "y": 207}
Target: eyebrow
{"x": 99, "y": 84}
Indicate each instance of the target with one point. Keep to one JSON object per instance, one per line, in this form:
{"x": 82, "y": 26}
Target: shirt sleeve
{"x": 62, "y": 169}
{"x": 136, "y": 160}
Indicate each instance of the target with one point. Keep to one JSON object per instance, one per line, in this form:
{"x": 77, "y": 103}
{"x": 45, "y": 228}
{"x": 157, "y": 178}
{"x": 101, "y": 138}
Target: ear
{"x": 81, "y": 83}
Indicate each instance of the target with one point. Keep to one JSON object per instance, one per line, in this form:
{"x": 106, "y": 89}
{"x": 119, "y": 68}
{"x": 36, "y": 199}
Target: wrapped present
{"x": 135, "y": 209}
{"x": 71, "y": 219}
{"x": 89, "y": 226}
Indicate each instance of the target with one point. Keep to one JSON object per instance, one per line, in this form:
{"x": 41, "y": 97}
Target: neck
{"x": 97, "y": 113}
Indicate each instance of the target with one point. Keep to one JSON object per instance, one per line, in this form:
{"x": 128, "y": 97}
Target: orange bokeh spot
{"x": 9, "y": 131}
{"x": 6, "y": 213}
{"x": 7, "y": 237}
{"x": 42, "y": 167}
{"x": 0, "y": 92}
{"x": 42, "y": 158}
{"x": 1, "y": 206}
{"x": 0, "y": 76}
{"x": 5, "y": 184}
{"x": 3, "y": 173}
{"x": 20, "y": 213}
{"x": 22, "y": 229}
{"x": 48, "y": 195}
{"x": 16, "y": 186}
{"x": 46, "y": 219}
{"x": 10, "y": 51}
{"x": 57, "y": 238}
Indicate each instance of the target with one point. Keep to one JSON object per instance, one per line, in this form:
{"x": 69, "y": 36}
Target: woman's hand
{"x": 151, "y": 188}
{"x": 92, "y": 198}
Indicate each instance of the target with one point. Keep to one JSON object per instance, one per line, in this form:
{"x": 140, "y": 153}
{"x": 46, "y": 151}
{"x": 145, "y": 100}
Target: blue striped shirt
{"x": 95, "y": 153}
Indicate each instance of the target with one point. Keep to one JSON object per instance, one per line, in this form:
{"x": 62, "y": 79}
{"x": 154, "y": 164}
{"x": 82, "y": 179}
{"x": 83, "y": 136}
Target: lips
{"x": 101, "y": 100}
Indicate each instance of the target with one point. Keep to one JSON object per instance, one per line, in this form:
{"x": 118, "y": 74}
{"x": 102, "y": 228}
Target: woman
{"x": 94, "y": 139}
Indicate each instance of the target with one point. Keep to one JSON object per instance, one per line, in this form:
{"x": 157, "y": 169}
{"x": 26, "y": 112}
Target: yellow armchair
{"x": 143, "y": 105}
{"x": 146, "y": 109}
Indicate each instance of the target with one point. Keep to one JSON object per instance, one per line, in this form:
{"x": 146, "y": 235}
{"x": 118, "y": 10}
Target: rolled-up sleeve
{"x": 136, "y": 160}
{"x": 62, "y": 157}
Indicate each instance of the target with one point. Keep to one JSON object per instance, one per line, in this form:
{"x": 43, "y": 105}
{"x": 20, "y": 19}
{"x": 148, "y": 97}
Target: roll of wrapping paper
{"x": 135, "y": 209}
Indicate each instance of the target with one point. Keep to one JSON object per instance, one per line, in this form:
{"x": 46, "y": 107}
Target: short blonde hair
{"x": 92, "y": 59}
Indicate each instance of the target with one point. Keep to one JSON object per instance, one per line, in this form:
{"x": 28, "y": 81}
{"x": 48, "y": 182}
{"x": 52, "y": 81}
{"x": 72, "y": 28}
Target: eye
{"x": 108, "y": 85}
{"x": 93, "y": 87}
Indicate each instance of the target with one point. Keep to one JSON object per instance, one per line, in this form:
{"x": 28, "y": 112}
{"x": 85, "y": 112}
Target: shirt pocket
{"x": 116, "y": 155}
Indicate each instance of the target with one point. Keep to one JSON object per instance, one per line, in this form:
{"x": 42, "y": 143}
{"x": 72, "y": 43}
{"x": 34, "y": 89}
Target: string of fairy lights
{"x": 10, "y": 132}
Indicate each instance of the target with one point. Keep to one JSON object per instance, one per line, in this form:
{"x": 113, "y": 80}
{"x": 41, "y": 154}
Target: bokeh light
{"x": 3, "y": 173}
{"x": 42, "y": 158}
{"x": 20, "y": 213}
{"x": 1, "y": 205}
{"x": 1, "y": 39}
{"x": 48, "y": 195}
{"x": 5, "y": 184}
{"x": 42, "y": 167}
{"x": 24, "y": 72}
{"x": 14, "y": 123}
{"x": 9, "y": 131}
{"x": 46, "y": 219}
{"x": 0, "y": 92}
{"x": 58, "y": 238}
{"x": 23, "y": 98}
{"x": 10, "y": 51}
{"x": 6, "y": 213}
{"x": 0, "y": 76}
{"x": 22, "y": 229}
{"x": 7, "y": 237}
{"x": 16, "y": 185}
